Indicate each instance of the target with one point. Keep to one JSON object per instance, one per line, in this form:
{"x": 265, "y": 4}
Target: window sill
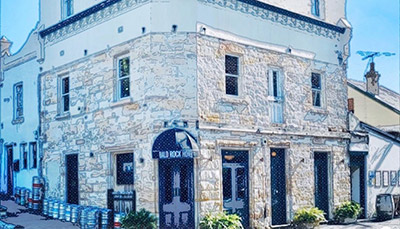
{"x": 63, "y": 116}
{"x": 318, "y": 110}
{"x": 18, "y": 121}
{"x": 232, "y": 99}
{"x": 122, "y": 102}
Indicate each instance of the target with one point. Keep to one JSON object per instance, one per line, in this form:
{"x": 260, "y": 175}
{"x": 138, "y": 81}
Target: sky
{"x": 376, "y": 27}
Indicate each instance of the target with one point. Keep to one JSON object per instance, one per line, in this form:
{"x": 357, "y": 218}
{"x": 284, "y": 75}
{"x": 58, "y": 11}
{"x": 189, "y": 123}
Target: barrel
{"x": 74, "y": 213}
{"x": 61, "y": 215}
{"x": 68, "y": 212}
{"x": 117, "y": 219}
{"x": 17, "y": 194}
{"x": 23, "y": 197}
{"x": 30, "y": 204}
{"x": 83, "y": 216}
{"x": 3, "y": 212}
{"x": 93, "y": 218}
{"x": 105, "y": 218}
{"x": 50, "y": 211}
{"x": 36, "y": 192}
{"x": 45, "y": 207}
{"x": 56, "y": 208}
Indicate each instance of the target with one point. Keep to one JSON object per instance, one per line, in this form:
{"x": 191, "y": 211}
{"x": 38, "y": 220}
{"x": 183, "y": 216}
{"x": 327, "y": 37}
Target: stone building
{"x": 197, "y": 105}
{"x": 19, "y": 115}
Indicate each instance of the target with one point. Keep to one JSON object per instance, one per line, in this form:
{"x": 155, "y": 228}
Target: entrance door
{"x": 357, "y": 172}
{"x": 321, "y": 182}
{"x": 10, "y": 183}
{"x": 278, "y": 186}
{"x": 176, "y": 193}
{"x": 235, "y": 178}
{"x": 72, "y": 179}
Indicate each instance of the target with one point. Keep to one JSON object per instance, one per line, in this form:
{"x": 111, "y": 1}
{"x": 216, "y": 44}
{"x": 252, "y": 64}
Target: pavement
{"x": 22, "y": 218}
{"x": 388, "y": 224}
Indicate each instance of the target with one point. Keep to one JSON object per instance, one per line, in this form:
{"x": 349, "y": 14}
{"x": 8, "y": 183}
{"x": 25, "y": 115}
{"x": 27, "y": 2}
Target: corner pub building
{"x": 196, "y": 105}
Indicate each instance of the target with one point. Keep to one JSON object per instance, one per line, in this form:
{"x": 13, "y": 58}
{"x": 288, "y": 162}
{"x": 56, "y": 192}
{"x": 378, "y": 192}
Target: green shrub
{"x": 142, "y": 219}
{"x": 220, "y": 220}
{"x": 308, "y": 216}
{"x": 347, "y": 210}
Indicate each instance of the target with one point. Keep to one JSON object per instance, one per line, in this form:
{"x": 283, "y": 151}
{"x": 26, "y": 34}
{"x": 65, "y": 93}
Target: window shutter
{"x": 270, "y": 84}
{"x": 280, "y": 89}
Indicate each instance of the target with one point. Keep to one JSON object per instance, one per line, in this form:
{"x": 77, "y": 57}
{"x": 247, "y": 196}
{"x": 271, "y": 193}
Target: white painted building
{"x": 19, "y": 118}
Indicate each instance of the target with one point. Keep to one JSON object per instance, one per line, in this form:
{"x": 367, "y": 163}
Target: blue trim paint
{"x": 77, "y": 17}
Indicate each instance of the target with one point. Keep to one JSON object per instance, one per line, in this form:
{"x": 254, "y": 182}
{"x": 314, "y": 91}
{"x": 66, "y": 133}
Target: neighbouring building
{"x": 198, "y": 106}
{"x": 374, "y": 123}
{"x": 19, "y": 116}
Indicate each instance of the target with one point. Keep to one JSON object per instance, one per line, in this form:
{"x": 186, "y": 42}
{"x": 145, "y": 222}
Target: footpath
{"x": 22, "y": 218}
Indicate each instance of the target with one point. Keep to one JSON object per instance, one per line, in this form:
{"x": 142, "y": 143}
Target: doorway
{"x": 10, "y": 174}
{"x": 278, "y": 186}
{"x": 321, "y": 182}
{"x": 357, "y": 171}
{"x": 176, "y": 193}
{"x": 72, "y": 179}
{"x": 235, "y": 179}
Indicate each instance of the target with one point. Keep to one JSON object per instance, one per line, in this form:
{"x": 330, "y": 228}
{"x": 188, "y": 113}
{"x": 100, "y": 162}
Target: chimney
{"x": 4, "y": 46}
{"x": 372, "y": 80}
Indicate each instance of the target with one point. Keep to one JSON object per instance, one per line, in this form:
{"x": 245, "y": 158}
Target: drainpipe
{"x": 39, "y": 131}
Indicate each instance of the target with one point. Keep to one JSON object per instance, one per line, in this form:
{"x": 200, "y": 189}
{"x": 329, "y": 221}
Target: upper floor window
{"x": 275, "y": 84}
{"x": 64, "y": 94}
{"x": 316, "y": 89}
{"x": 231, "y": 75}
{"x": 315, "y": 7}
{"x": 33, "y": 155}
{"x": 24, "y": 156}
{"x": 275, "y": 91}
{"x": 18, "y": 101}
{"x": 123, "y": 73}
{"x": 67, "y": 8}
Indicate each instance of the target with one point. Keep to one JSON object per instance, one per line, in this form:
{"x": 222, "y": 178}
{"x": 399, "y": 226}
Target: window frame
{"x": 16, "y": 115}
{"x": 320, "y": 90}
{"x": 62, "y": 94}
{"x": 33, "y": 157}
{"x": 316, "y": 8}
{"x": 119, "y": 79}
{"x": 24, "y": 161}
{"x": 65, "y": 5}
{"x": 278, "y": 100}
{"x": 233, "y": 75}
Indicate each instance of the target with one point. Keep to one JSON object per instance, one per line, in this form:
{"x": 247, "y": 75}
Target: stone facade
{"x": 180, "y": 77}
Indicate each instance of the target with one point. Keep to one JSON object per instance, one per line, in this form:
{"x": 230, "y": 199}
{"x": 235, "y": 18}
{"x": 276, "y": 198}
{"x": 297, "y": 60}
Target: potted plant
{"x": 347, "y": 212}
{"x": 306, "y": 218}
{"x": 142, "y": 219}
{"x": 221, "y": 220}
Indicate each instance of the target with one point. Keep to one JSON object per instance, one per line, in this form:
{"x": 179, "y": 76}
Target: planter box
{"x": 307, "y": 226}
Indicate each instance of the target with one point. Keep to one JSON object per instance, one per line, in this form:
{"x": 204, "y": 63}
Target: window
{"x": 67, "y": 8}
{"x": 18, "y": 101}
{"x": 64, "y": 97}
{"x": 315, "y": 6}
{"x": 24, "y": 156}
{"x": 316, "y": 89}
{"x": 123, "y": 73}
{"x": 275, "y": 91}
{"x": 232, "y": 75}
{"x": 33, "y": 155}
{"x": 124, "y": 168}
{"x": 275, "y": 84}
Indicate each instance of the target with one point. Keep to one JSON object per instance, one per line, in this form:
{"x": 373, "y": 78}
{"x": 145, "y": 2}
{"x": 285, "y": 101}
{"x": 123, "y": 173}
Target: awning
{"x": 175, "y": 143}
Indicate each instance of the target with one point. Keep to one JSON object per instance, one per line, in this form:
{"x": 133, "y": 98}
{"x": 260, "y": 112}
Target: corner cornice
{"x": 279, "y": 15}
